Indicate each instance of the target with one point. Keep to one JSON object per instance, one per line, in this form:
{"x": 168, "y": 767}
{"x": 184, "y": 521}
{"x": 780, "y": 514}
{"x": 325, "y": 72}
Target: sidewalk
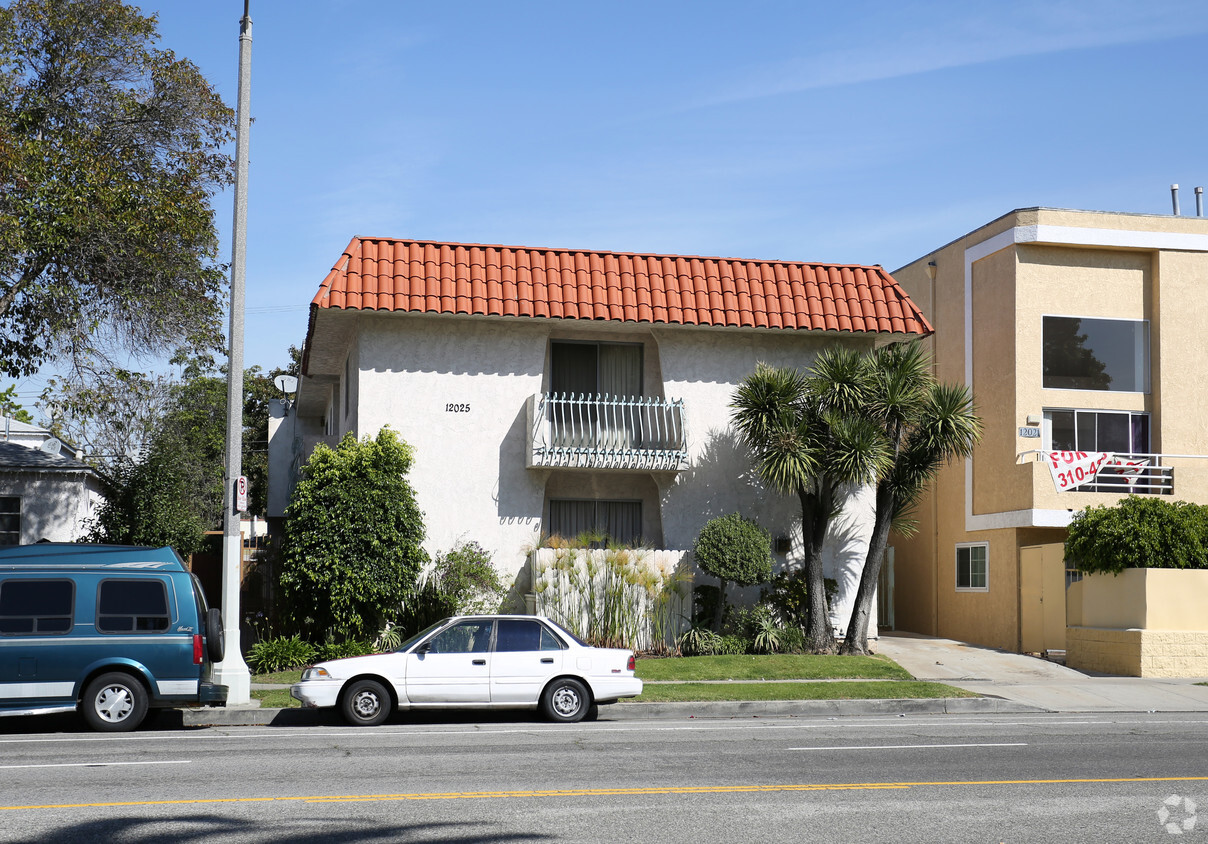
{"x": 1034, "y": 682}
{"x": 1008, "y": 683}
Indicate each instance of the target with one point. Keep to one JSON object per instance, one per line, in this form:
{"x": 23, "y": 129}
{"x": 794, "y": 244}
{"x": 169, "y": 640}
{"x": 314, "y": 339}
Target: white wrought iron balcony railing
{"x": 1140, "y": 474}
{"x": 581, "y": 431}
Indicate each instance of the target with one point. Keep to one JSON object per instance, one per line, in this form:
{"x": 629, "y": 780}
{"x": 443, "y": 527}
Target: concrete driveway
{"x": 1037, "y": 682}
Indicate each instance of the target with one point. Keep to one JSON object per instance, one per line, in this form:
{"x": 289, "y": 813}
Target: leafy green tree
{"x": 808, "y": 438}
{"x": 1139, "y": 532}
{"x": 10, "y": 407}
{"x": 352, "y": 550}
{"x": 922, "y": 424}
{"x": 734, "y": 550}
{"x": 110, "y": 150}
{"x": 172, "y": 492}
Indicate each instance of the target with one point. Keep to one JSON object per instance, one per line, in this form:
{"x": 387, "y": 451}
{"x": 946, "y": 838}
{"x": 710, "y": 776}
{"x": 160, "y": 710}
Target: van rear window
{"x": 132, "y": 606}
{"x": 36, "y": 607}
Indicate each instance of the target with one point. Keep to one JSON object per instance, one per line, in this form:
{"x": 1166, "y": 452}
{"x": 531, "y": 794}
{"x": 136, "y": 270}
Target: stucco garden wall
{"x": 1140, "y": 623}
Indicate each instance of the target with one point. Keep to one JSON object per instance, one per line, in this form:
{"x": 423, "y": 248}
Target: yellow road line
{"x": 599, "y": 792}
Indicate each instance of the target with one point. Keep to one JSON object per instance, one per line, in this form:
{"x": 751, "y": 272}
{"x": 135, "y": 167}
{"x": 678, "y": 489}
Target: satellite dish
{"x": 286, "y": 383}
{"x": 51, "y": 446}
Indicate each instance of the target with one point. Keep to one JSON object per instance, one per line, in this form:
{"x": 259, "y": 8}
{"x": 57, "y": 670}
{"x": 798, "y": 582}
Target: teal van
{"x": 110, "y": 631}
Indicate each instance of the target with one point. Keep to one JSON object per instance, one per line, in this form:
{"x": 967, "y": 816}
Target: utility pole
{"x": 232, "y": 672}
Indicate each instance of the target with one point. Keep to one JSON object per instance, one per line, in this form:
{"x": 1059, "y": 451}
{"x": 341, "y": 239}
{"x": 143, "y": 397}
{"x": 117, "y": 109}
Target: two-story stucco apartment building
{"x": 1078, "y": 331}
{"x": 551, "y": 391}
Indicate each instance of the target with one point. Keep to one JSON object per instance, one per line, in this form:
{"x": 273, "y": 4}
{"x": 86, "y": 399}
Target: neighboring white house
{"x": 551, "y": 391}
{"x": 44, "y": 496}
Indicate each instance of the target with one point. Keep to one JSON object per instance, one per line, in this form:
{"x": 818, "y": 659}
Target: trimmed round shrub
{"x": 734, "y": 550}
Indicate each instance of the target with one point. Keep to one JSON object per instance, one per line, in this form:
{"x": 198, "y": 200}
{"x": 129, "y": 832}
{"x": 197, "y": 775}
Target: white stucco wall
{"x": 469, "y": 474}
{"x": 456, "y": 388}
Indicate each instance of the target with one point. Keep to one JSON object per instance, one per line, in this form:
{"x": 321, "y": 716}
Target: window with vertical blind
{"x": 618, "y": 521}
{"x": 613, "y": 369}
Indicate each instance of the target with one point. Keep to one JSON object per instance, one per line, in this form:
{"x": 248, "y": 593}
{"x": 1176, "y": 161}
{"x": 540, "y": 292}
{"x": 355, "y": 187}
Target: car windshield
{"x": 405, "y": 646}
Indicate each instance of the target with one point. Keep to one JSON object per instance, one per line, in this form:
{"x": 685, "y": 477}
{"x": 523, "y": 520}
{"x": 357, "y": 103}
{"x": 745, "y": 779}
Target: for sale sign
{"x": 1072, "y": 469}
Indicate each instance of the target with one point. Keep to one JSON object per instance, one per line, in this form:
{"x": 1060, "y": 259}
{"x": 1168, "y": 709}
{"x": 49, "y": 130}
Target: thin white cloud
{"x": 943, "y": 38}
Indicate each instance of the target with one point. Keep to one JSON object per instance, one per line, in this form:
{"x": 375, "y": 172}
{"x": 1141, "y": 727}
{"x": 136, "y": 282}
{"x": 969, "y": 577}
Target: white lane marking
{"x": 94, "y": 764}
{"x": 911, "y": 746}
{"x": 292, "y": 734}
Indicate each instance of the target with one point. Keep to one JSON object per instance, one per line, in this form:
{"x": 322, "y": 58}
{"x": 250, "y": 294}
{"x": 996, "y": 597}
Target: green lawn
{"x": 773, "y": 667}
{"x": 287, "y": 677}
{"x": 876, "y": 690}
{"x": 680, "y": 679}
{"x": 275, "y": 699}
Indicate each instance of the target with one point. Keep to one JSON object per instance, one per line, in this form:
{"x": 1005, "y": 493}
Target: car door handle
{"x": 480, "y": 662}
{"x": 548, "y": 659}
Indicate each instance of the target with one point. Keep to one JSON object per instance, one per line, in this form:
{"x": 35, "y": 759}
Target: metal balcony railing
{"x": 1147, "y": 475}
{"x": 585, "y": 431}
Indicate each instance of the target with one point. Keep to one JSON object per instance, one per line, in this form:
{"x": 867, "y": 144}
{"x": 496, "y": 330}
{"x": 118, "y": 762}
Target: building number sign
{"x": 457, "y": 408}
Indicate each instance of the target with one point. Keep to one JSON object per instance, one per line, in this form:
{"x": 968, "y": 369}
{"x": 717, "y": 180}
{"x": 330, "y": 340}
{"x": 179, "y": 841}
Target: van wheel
{"x": 365, "y": 703}
{"x": 114, "y": 703}
{"x": 215, "y": 636}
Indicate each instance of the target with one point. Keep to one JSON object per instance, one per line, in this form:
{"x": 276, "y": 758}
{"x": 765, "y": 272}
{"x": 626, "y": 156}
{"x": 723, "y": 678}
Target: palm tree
{"x": 808, "y": 439}
{"x": 923, "y": 424}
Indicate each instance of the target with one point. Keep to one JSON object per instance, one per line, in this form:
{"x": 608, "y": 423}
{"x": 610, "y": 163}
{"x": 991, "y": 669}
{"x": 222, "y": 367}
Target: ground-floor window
{"x": 10, "y": 520}
{"x": 972, "y": 573}
{"x": 604, "y": 520}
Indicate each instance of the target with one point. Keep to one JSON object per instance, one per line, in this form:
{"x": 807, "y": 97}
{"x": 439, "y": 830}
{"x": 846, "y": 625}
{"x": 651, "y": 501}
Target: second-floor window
{"x": 591, "y": 369}
{"x": 1084, "y": 353}
{"x": 1116, "y": 431}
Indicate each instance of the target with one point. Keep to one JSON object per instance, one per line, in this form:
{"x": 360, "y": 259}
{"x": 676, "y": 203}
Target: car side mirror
{"x": 423, "y": 649}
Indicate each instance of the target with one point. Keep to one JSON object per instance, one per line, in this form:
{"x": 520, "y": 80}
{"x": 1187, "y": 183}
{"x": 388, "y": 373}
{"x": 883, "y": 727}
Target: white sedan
{"x": 484, "y": 661}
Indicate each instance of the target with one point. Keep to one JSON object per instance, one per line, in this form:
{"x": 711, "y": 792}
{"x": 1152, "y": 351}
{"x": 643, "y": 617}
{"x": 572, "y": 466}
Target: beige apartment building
{"x": 1078, "y": 331}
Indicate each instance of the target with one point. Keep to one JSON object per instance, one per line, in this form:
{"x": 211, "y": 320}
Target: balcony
{"x": 580, "y": 431}
{"x": 1141, "y": 474}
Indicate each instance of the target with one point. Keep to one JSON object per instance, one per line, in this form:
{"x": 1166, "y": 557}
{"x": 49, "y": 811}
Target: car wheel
{"x": 215, "y": 636}
{"x": 565, "y": 700}
{"x": 365, "y": 703}
{"x": 114, "y": 703}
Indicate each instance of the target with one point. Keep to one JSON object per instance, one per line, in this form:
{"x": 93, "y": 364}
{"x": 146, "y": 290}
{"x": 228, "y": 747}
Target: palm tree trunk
{"x": 856, "y": 641}
{"x": 815, "y": 519}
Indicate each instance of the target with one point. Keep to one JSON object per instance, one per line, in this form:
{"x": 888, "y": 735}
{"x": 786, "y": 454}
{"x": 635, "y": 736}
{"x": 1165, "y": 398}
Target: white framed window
{"x": 1095, "y": 353}
{"x": 972, "y": 567}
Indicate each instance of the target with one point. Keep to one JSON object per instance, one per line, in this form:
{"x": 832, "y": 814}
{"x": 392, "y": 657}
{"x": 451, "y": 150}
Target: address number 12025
{"x": 457, "y": 408}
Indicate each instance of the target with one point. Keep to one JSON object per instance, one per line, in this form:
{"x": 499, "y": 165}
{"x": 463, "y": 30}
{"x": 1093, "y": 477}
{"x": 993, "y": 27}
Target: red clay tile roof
{"x": 386, "y": 274}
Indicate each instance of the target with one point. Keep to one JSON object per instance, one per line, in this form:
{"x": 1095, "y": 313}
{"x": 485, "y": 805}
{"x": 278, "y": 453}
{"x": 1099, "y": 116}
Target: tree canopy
{"x": 170, "y": 491}
{"x": 110, "y": 150}
{"x": 921, "y": 424}
{"x": 734, "y": 550}
{"x": 352, "y": 549}
{"x": 1144, "y": 532}
{"x": 809, "y": 438}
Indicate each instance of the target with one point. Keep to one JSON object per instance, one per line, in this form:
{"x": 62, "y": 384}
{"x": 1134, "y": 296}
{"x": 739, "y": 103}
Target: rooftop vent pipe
{"x": 1174, "y": 198}
{"x": 1199, "y": 202}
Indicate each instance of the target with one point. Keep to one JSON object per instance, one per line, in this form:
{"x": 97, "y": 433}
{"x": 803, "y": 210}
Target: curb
{"x": 256, "y": 717}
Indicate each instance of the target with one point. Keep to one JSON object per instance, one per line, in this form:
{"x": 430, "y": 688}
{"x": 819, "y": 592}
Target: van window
{"x": 36, "y": 607}
{"x": 132, "y": 606}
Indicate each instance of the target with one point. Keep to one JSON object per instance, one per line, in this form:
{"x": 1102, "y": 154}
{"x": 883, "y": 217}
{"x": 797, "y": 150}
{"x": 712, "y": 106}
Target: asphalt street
{"x": 1040, "y": 777}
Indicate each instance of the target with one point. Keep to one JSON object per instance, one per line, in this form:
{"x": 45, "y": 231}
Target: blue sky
{"x": 861, "y": 132}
